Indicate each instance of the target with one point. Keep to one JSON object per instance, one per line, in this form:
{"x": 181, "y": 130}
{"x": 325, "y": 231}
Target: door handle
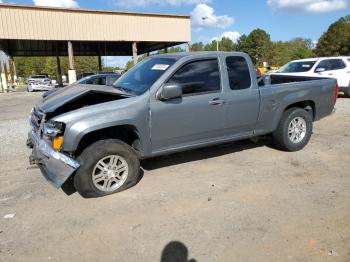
{"x": 216, "y": 102}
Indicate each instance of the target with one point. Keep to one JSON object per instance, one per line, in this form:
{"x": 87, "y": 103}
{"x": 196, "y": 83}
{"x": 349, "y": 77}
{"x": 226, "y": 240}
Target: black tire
{"x": 281, "y": 135}
{"x": 83, "y": 181}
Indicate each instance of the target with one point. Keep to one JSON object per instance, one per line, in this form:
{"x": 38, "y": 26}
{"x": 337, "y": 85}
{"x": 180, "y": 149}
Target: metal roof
{"x": 80, "y": 10}
{"x": 36, "y": 30}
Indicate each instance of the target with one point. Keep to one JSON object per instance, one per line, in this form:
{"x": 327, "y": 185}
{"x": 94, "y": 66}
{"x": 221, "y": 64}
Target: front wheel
{"x": 294, "y": 130}
{"x": 106, "y": 167}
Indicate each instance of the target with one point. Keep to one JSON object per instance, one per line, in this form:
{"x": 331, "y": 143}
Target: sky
{"x": 282, "y": 19}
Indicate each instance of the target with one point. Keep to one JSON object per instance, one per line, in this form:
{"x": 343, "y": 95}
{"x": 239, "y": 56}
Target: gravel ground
{"x": 241, "y": 201}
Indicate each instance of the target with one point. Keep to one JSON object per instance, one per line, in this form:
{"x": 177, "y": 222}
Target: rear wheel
{"x": 294, "y": 130}
{"x": 107, "y": 167}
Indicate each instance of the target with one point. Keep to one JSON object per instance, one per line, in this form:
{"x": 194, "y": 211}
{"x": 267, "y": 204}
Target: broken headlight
{"x": 53, "y": 128}
{"x": 53, "y": 133}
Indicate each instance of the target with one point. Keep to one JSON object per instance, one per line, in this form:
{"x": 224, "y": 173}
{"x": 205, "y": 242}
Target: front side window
{"x": 198, "y": 77}
{"x": 238, "y": 72}
{"x": 337, "y": 64}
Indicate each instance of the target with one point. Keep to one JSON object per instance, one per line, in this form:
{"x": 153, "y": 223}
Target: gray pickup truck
{"x": 95, "y": 137}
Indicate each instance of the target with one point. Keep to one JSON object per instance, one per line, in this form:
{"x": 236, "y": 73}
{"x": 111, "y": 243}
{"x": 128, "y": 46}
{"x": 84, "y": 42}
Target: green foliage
{"x": 297, "y": 48}
{"x": 258, "y": 45}
{"x": 129, "y": 64}
{"x": 210, "y": 46}
{"x": 280, "y": 53}
{"x": 27, "y": 66}
{"x": 225, "y": 44}
{"x": 336, "y": 40}
{"x": 175, "y": 49}
{"x": 196, "y": 47}
{"x": 300, "y": 48}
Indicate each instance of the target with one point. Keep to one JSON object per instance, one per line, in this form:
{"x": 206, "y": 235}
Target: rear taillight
{"x": 336, "y": 92}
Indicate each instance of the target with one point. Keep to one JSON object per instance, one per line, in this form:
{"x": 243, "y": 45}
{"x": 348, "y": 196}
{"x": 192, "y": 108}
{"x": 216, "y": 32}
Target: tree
{"x": 211, "y": 46}
{"x": 47, "y": 65}
{"x": 225, "y": 44}
{"x": 336, "y": 40}
{"x": 195, "y": 47}
{"x": 258, "y": 45}
{"x": 280, "y": 53}
{"x": 300, "y": 48}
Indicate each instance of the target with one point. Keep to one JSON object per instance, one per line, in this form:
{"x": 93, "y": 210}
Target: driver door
{"x": 198, "y": 116}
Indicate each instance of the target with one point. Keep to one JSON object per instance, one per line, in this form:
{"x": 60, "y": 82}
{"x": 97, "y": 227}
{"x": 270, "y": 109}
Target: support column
{"x": 59, "y": 71}
{"x": 166, "y": 48}
{"x": 14, "y": 71}
{"x": 134, "y": 52}
{"x": 72, "y": 74}
{"x": 99, "y": 63}
{"x": 3, "y": 77}
{"x": 187, "y": 47}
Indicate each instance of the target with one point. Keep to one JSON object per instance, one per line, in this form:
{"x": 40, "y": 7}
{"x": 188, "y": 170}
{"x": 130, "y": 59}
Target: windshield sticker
{"x": 306, "y": 66}
{"x": 161, "y": 67}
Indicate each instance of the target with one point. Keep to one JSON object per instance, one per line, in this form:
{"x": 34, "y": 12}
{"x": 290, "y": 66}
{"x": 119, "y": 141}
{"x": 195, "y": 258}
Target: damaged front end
{"x": 47, "y": 135}
{"x": 55, "y": 166}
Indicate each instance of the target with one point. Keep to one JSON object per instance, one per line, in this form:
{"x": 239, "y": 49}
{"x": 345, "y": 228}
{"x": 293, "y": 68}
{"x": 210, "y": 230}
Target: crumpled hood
{"x": 70, "y": 94}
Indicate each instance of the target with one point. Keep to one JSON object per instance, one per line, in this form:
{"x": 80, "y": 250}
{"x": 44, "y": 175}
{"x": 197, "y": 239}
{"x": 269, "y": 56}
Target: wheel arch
{"x": 126, "y": 133}
{"x": 307, "y": 105}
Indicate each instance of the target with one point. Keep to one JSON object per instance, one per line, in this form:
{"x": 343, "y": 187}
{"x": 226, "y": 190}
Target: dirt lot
{"x": 236, "y": 202}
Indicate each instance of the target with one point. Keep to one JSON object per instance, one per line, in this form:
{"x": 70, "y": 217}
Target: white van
{"x": 335, "y": 67}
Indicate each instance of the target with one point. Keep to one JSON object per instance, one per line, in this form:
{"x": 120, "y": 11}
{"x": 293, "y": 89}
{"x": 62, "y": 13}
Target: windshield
{"x": 297, "y": 67}
{"x": 143, "y": 75}
{"x": 38, "y": 76}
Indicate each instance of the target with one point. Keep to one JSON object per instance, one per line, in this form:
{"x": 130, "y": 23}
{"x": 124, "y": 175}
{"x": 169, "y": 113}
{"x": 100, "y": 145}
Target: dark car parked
{"x": 102, "y": 79}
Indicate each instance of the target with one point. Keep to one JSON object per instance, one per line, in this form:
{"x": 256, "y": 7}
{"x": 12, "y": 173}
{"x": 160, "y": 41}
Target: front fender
{"x": 132, "y": 112}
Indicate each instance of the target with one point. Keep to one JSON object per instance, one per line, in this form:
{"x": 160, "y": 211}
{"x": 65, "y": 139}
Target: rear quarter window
{"x": 238, "y": 72}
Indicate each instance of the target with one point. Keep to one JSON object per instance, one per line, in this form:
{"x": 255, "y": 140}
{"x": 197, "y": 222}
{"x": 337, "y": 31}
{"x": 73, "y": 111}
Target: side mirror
{"x": 320, "y": 70}
{"x": 170, "y": 91}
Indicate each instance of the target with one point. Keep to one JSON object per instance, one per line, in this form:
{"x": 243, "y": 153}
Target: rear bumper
{"x": 41, "y": 88}
{"x": 55, "y": 166}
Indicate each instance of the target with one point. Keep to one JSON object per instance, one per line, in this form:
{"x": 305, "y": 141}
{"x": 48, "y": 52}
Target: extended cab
{"x": 165, "y": 104}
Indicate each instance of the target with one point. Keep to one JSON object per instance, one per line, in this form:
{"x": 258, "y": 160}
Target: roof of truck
{"x": 201, "y": 53}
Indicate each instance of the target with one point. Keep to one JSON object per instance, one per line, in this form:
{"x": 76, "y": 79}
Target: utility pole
{"x": 217, "y": 33}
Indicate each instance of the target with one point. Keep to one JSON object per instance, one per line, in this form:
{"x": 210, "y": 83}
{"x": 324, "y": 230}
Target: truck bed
{"x": 275, "y": 79}
{"x": 279, "y": 91}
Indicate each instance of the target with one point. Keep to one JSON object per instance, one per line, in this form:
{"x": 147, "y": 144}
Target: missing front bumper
{"x": 55, "y": 166}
